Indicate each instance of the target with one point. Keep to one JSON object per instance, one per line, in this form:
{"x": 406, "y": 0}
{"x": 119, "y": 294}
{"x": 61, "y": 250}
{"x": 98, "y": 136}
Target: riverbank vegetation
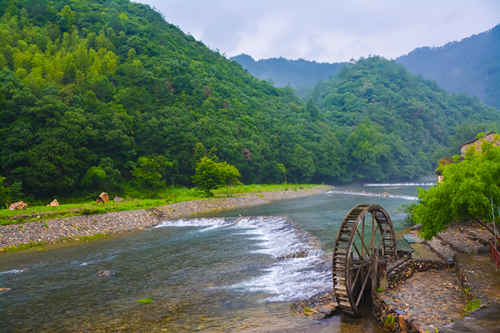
{"x": 470, "y": 191}
{"x": 107, "y": 96}
{"x": 165, "y": 197}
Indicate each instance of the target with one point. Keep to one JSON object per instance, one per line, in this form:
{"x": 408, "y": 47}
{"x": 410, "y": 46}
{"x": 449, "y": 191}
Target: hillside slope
{"x": 102, "y": 94}
{"x": 396, "y": 123}
{"x": 471, "y": 66}
{"x": 87, "y": 88}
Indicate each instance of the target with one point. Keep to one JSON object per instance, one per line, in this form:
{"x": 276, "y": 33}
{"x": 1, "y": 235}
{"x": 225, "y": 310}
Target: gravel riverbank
{"x": 75, "y": 227}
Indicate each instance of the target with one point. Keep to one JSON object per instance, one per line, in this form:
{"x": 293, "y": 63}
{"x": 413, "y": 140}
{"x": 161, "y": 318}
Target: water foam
{"x": 299, "y": 270}
{"x": 12, "y": 271}
{"x": 399, "y": 184}
{"x": 376, "y": 195}
{"x": 96, "y": 261}
{"x": 205, "y": 223}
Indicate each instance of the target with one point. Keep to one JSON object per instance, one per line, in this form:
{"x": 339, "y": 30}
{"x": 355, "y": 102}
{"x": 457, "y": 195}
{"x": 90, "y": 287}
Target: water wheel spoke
{"x": 356, "y": 249}
{"x": 363, "y": 248}
{"x": 364, "y": 285}
{"x": 353, "y": 283}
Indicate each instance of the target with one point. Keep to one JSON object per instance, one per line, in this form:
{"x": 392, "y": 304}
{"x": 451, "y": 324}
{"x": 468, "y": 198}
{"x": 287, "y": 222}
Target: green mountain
{"x": 88, "y": 88}
{"x": 104, "y": 94}
{"x": 302, "y": 75}
{"x": 470, "y": 66}
{"x": 396, "y": 124}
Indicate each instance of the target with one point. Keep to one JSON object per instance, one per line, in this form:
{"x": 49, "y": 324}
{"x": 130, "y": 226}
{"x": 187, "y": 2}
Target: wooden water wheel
{"x": 365, "y": 241}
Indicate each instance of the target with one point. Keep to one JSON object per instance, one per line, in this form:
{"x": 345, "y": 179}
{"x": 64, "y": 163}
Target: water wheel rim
{"x": 345, "y": 271}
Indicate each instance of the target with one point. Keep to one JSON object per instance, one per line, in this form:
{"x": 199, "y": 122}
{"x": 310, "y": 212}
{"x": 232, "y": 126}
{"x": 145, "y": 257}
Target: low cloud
{"x": 330, "y": 30}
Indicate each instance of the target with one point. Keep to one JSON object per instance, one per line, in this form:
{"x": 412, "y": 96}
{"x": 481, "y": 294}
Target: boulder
{"x": 4, "y": 290}
{"x": 18, "y": 205}
{"x": 102, "y": 198}
{"x": 118, "y": 199}
{"x": 53, "y": 203}
{"x": 104, "y": 273}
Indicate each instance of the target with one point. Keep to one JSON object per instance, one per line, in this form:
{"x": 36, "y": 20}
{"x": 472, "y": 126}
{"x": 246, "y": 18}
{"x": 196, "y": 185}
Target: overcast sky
{"x": 328, "y": 30}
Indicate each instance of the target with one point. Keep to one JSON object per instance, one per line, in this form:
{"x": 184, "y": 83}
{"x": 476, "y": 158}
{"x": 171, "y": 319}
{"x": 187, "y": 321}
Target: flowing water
{"x": 238, "y": 271}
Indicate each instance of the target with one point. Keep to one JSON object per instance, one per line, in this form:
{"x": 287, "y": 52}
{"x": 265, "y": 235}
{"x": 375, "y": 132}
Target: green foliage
{"x": 281, "y": 167}
{"x": 395, "y": 124}
{"x": 209, "y": 175}
{"x": 9, "y": 193}
{"x": 390, "y": 321}
{"x": 150, "y": 172}
{"x": 472, "y": 305}
{"x": 464, "y": 194}
{"x": 145, "y": 300}
{"x": 101, "y": 95}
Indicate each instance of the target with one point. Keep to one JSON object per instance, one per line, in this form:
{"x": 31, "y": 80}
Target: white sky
{"x": 328, "y": 30}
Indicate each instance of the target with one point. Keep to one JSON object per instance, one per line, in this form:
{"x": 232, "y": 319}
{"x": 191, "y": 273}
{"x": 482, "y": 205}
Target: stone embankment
{"x": 435, "y": 292}
{"x": 51, "y": 231}
{"x": 431, "y": 288}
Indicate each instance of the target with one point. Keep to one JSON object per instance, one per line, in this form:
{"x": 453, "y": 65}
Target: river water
{"x": 237, "y": 271}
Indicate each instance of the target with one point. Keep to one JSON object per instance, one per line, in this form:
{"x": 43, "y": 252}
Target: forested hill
{"x": 300, "y": 74}
{"x": 471, "y": 66}
{"x": 396, "y": 123}
{"x": 104, "y": 94}
{"x": 89, "y": 87}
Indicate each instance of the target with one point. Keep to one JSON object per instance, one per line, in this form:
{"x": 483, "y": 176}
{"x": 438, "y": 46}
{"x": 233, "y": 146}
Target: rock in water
{"x": 4, "y": 290}
{"x": 53, "y": 203}
{"x": 103, "y": 198}
{"x": 18, "y": 205}
{"x": 104, "y": 273}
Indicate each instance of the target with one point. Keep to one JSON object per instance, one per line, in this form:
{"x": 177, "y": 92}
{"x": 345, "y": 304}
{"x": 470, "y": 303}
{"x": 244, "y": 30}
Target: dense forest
{"x": 100, "y": 94}
{"x": 94, "y": 92}
{"x": 397, "y": 124}
{"x": 469, "y": 66}
{"x": 301, "y": 75}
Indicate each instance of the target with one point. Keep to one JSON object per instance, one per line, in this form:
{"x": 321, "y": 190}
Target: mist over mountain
{"x": 471, "y": 66}
{"x": 302, "y": 75}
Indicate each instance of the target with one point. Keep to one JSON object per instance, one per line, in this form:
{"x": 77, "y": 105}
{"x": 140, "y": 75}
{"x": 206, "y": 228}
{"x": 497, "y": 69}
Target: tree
{"x": 209, "y": 175}
{"x": 9, "y": 193}
{"x": 466, "y": 193}
{"x": 150, "y": 172}
{"x": 282, "y": 169}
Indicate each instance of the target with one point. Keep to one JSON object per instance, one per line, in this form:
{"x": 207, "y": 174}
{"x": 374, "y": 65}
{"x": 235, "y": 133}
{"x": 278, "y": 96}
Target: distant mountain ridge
{"x": 300, "y": 74}
{"x": 470, "y": 66}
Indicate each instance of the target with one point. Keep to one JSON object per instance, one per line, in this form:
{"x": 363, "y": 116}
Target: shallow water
{"x": 238, "y": 271}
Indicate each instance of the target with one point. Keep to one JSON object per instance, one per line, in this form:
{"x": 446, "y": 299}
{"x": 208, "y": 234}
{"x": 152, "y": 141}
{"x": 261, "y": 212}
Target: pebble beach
{"x": 52, "y": 231}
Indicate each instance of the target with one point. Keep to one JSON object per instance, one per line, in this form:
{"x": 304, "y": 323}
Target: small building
{"x": 491, "y": 137}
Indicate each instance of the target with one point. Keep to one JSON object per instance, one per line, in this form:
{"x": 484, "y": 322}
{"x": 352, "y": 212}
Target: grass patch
{"x": 263, "y": 188}
{"x": 134, "y": 201}
{"x": 308, "y": 311}
{"x": 472, "y": 305}
{"x": 22, "y": 247}
{"x": 145, "y": 300}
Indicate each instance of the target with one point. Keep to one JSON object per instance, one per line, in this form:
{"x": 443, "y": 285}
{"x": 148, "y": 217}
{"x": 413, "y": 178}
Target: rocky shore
{"x": 435, "y": 289}
{"x": 75, "y": 227}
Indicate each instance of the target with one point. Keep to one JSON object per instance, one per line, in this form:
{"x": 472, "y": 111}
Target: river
{"x": 237, "y": 271}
